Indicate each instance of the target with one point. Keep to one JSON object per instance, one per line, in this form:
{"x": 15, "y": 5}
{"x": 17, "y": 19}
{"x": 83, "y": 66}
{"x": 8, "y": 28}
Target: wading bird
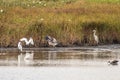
{"x": 30, "y": 41}
{"x": 51, "y": 41}
{"x": 114, "y": 62}
{"x": 95, "y": 37}
{"x": 20, "y": 46}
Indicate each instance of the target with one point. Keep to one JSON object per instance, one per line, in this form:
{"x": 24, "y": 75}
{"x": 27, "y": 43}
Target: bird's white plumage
{"x": 20, "y": 46}
{"x": 30, "y": 41}
{"x": 95, "y": 36}
{"x": 54, "y": 40}
{"x": 51, "y": 41}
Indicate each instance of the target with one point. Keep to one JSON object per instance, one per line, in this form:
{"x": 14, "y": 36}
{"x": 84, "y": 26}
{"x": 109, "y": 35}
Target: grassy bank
{"x": 70, "y": 21}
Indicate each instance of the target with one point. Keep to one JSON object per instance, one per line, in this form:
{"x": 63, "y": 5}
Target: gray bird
{"x": 51, "y": 41}
{"x": 114, "y": 62}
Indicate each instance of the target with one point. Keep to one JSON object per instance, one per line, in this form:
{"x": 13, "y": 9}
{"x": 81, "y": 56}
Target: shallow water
{"x": 60, "y": 73}
{"x": 76, "y": 63}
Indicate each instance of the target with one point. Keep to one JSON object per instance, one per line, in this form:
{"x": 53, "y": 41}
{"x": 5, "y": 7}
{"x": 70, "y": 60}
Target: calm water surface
{"x": 76, "y": 63}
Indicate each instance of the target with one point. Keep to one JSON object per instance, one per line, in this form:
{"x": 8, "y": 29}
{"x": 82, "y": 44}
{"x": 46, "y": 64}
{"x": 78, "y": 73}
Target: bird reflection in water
{"x": 26, "y": 59}
{"x": 52, "y": 55}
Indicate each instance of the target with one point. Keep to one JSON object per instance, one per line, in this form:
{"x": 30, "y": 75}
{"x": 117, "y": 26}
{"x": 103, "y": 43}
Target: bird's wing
{"x": 54, "y": 40}
{"x": 31, "y": 41}
{"x": 23, "y": 39}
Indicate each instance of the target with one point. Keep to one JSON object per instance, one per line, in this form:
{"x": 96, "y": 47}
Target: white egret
{"x": 51, "y": 41}
{"x": 30, "y": 41}
{"x": 95, "y": 36}
{"x": 20, "y": 46}
{"x": 114, "y": 62}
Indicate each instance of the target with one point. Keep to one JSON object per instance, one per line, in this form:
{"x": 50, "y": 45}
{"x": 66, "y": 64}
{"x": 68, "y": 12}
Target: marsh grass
{"x": 105, "y": 1}
{"x": 70, "y": 21}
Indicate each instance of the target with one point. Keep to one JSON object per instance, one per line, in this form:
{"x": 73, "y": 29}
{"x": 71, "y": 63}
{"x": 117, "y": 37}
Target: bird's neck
{"x": 94, "y": 33}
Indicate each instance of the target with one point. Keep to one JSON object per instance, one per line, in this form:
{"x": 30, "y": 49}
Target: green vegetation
{"x": 70, "y": 21}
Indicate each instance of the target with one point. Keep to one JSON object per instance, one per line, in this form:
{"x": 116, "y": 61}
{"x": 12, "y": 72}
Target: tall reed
{"x": 71, "y": 22}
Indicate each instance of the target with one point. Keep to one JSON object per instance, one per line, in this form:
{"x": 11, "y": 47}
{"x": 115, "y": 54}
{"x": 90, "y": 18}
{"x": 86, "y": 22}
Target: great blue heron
{"x": 51, "y": 41}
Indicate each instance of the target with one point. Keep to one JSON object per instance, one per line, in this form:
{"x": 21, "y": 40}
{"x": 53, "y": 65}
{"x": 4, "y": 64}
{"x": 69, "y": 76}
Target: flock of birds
{"x": 29, "y": 56}
{"x": 53, "y": 42}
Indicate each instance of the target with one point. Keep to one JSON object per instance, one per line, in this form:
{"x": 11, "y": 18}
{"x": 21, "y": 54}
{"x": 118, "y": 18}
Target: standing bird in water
{"x": 95, "y": 37}
{"x": 30, "y": 41}
{"x": 20, "y": 46}
{"x": 51, "y": 41}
